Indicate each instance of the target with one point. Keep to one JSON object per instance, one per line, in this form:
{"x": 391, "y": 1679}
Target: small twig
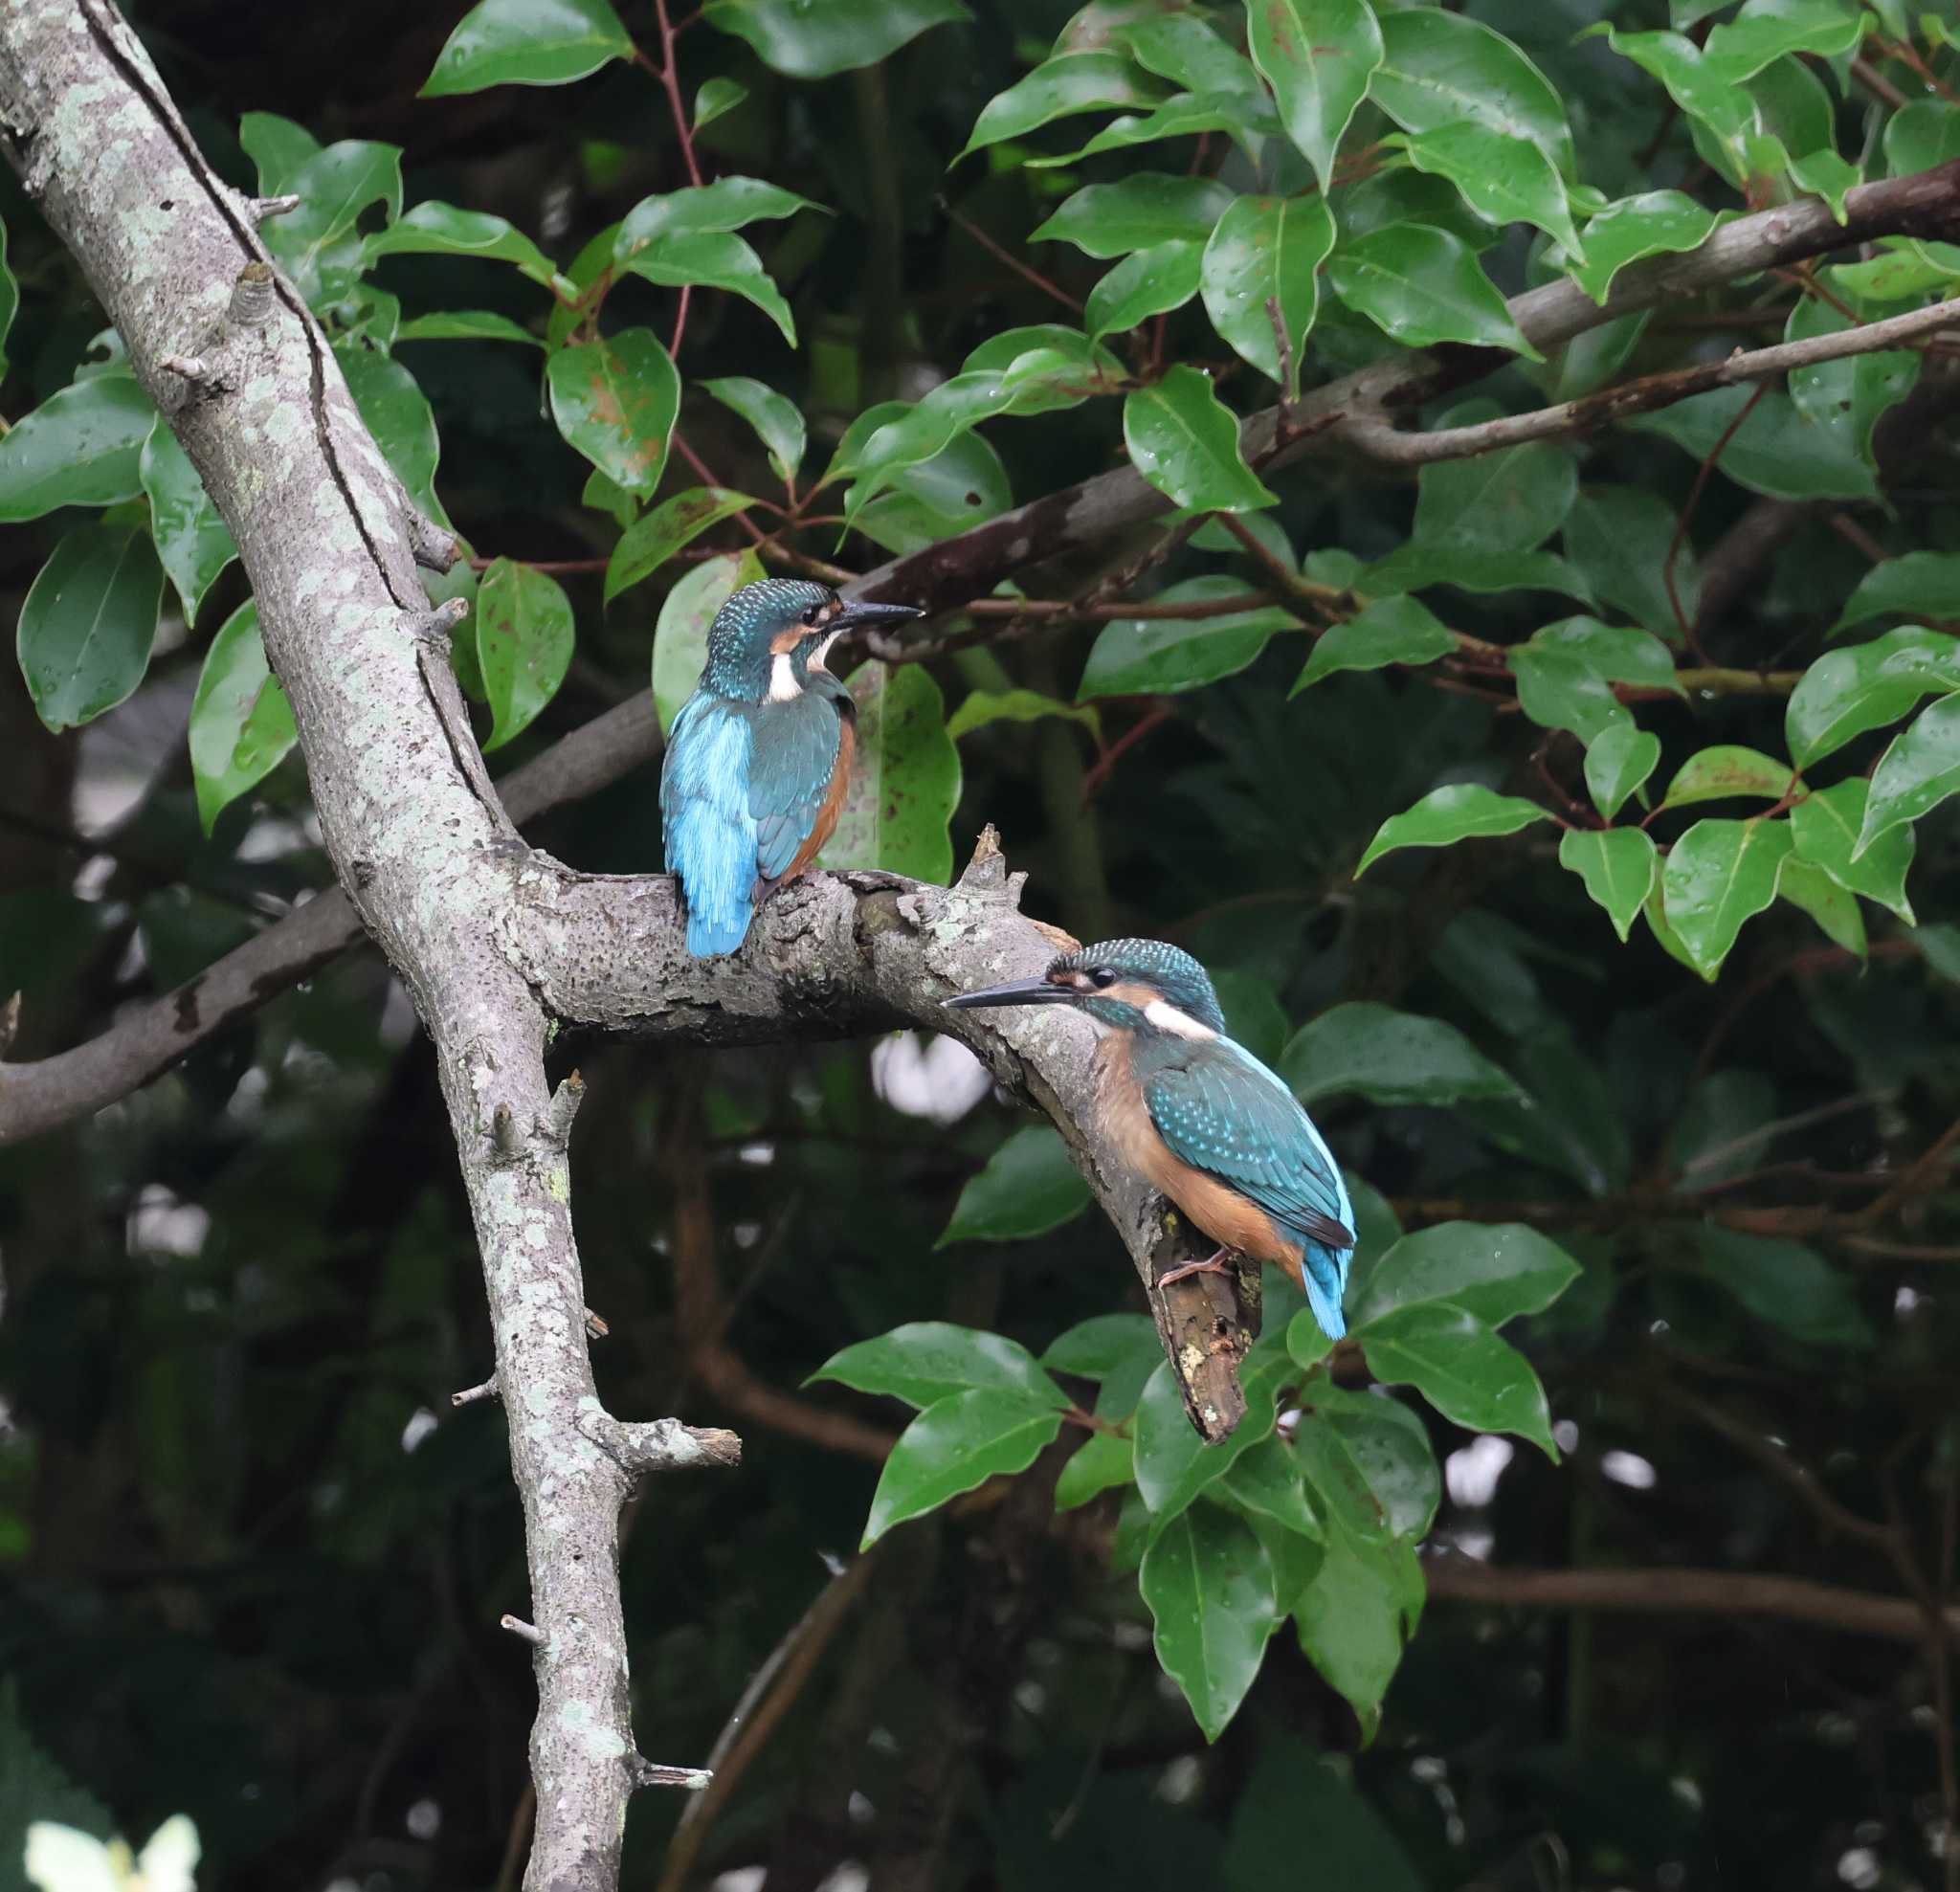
{"x": 523, "y": 1631}
{"x": 556, "y": 1128}
{"x": 259, "y": 208}
{"x": 1012, "y": 262}
{"x": 470, "y": 1394}
{"x": 1105, "y": 765}
{"x": 1702, "y": 473}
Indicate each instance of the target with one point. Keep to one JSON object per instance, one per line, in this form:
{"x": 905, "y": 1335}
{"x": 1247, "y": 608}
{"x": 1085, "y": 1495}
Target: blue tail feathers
{"x": 1325, "y": 1271}
{"x": 709, "y": 937}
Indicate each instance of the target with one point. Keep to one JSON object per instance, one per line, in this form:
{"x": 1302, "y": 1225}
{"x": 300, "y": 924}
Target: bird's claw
{"x": 1220, "y": 1263}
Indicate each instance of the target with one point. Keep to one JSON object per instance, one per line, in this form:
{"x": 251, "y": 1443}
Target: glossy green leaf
{"x": 1824, "y": 828}
{"x": 278, "y": 148}
{"x": 1317, "y": 56}
{"x": 1786, "y": 1284}
{"x": 1210, "y": 1588}
{"x": 1837, "y": 912}
{"x": 1503, "y": 179}
{"x": 681, "y": 636}
{"x": 191, "y": 539}
{"x": 1396, "y": 630}
{"x": 241, "y": 725}
{"x": 716, "y": 99}
{"x": 1847, "y": 692}
{"x": 815, "y": 42}
{"x": 1775, "y": 452}
{"x": 1706, "y": 94}
{"x": 88, "y": 622}
{"x": 1767, "y": 29}
{"x": 1618, "y": 761}
{"x": 1825, "y": 174}
{"x": 1439, "y": 69}
{"x": 1145, "y": 284}
{"x": 1174, "y": 1463}
{"x": 1919, "y": 770}
{"x": 1137, "y": 657}
{"x": 1183, "y": 440}
{"x": 778, "y": 423}
{"x": 1510, "y": 500}
{"x": 926, "y": 1361}
{"x": 651, "y": 541}
{"x": 1420, "y": 286}
{"x": 703, "y": 210}
{"x": 1449, "y": 814}
{"x": 616, "y": 401}
{"x": 466, "y": 325}
{"x": 956, "y": 1444}
{"x": 1725, "y": 769}
{"x": 1267, "y": 1481}
{"x": 981, "y": 707}
{"x": 1921, "y": 135}
{"x": 524, "y": 639}
{"x": 1264, "y": 250}
{"x": 1387, "y": 1056}
{"x": 1182, "y": 48}
{"x": 1389, "y": 1447}
{"x": 320, "y": 243}
{"x": 1619, "y": 537}
{"x": 1719, "y": 874}
{"x": 906, "y": 781}
{"x": 1101, "y": 1345}
{"x": 713, "y": 259}
{"x": 437, "y": 229}
{"x": 527, "y": 42}
{"x": 1654, "y": 224}
{"x": 1101, "y": 1464}
{"x": 1028, "y": 1187}
{"x": 398, "y": 416}
{"x": 1343, "y": 1498}
{"x": 1355, "y": 1615}
{"x": 1914, "y": 583}
{"x": 1617, "y": 651}
{"x": 1246, "y": 120}
{"x": 1565, "y": 689}
{"x": 1493, "y": 1270}
{"x": 1462, "y": 1367}
{"x": 1846, "y": 398}
{"x": 1058, "y": 88}
{"x": 1416, "y": 566}
{"x": 80, "y": 447}
{"x": 1136, "y": 213}
{"x": 961, "y": 486}
{"x": 1618, "y": 866}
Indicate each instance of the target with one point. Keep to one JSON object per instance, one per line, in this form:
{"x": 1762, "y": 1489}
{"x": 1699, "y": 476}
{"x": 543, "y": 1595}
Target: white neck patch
{"x": 784, "y": 687}
{"x": 1166, "y": 1017}
{"x": 823, "y": 650}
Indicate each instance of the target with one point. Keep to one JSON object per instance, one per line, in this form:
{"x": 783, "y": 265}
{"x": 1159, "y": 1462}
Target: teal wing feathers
{"x": 790, "y": 776}
{"x": 710, "y": 833}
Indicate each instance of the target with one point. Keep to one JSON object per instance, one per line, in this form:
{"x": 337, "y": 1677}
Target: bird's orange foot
{"x": 1219, "y": 1264}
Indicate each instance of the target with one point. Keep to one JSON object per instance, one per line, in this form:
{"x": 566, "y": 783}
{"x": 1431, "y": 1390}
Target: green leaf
{"x": 241, "y": 725}
{"x": 1245, "y": 119}
{"x": 438, "y": 228}
{"x": 1724, "y": 770}
{"x": 1618, "y": 760}
{"x": 1493, "y": 1270}
{"x": 1100, "y": 1465}
{"x": 1837, "y": 912}
{"x": 1267, "y": 1481}
{"x": 1561, "y": 688}
{"x": 524, "y": 639}
{"x": 701, "y": 209}
{"x": 1702, "y": 89}
{"x": 713, "y": 259}
{"x": 1183, "y": 440}
{"x": 527, "y": 42}
{"x": 926, "y": 1361}
{"x": 616, "y": 401}
{"x": 88, "y": 622}
{"x": 1449, "y": 814}
{"x": 10, "y": 298}
{"x": 1354, "y": 1616}
{"x": 1387, "y": 1056}
{"x": 1137, "y": 212}
{"x": 1440, "y": 68}
{"x": 1028, "y": 1187}
{"x": 191, "y": 539}
{"x": 1767, "y": 29}
{"x": 1920, "y": 768}
{"x": 1342, "y": 1497}
{"x": 1462, "y": 1368}
{"x": 1654, "y": 224}
{"x": 808, "y": 41}
{"x": 716, "y": 97}
{"x": 1210, "y": 1588}
{"x": 398, "y": 414}
{"x": 1308, "y": 1342}
{"x": 1389, "y": 1447}
{"x": 1503, "y": 179}
{"x": 1618, "y": 866}
{"x": 681, "y": 636}
{"x": 1264, "y": 250}
{"x": 1921, "y": 136}
{"x": 1397, "y": 630}
{"x": 1613, "y": 651}
{"x": 956, "y": 1444}
{"x": 1145, "y": 283}
{"x": 1060, "y": 88}
{"x": 1825, "y": 174}
{"x": 1510, "y": 500}
{"x": 1619, "y": 537}
{"x": 1139, "y": 657}
{"x": 1101, "y": 1345}
{"x": 82, "y": 447}
{"x": 320, "y": 243}
{"x": 278, "y": 148}
{"x": 958, "y": 488}
{"x": 983, "y": 706}
{"x": 465, "y": 325}
{"x": 1414, "y": 567}
{"x": 1182, "y": 48}
{"x": 778, "y": 424}
{"x": 1847, "y": 692}
{"x": 1719, "y": 874}
{"x": 906, "y": 781}
{"x": 1317, "y": 56}
{"x": 1824, "y": 828}
{"x": 651, "y": 541}
{"x": 1789, "y": 1286}
{"x": 1174, "y": 1463}
{"x": 1775, "y": 452}
{"x": 1420, "y": 285}
{"x": 1915, "y": 583}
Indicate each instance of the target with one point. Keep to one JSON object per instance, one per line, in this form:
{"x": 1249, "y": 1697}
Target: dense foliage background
{"x": 252, "y": 1559}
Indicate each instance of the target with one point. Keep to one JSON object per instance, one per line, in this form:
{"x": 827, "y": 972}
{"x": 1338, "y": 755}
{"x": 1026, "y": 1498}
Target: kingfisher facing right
{"x": 1200, "y": 1116}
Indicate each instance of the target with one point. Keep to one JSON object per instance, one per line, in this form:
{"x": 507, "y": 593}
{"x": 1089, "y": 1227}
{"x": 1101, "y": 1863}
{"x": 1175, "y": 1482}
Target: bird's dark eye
{"x": 1102, "y": 976}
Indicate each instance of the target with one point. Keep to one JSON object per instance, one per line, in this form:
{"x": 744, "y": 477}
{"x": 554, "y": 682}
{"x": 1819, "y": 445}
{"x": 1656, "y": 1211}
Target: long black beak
{"x": 1016, "y": 992}
{"x": 855, "y": 616}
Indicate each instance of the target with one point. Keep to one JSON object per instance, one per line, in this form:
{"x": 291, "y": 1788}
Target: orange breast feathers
{"x": 1232, "y": 1220}
{"x": 826, "y": 822}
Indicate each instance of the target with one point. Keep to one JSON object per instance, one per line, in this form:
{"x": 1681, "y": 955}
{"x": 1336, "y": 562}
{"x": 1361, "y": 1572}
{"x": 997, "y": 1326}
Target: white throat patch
{"x": 1166, "y": 1017}
{"x": 784, "y": 688}
{"x": 823, "y": 650}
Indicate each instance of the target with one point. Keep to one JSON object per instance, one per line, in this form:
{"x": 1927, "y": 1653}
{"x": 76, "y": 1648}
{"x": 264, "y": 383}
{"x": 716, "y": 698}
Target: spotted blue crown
{"x": 1174, "y": 973}
{"x": 739, "y": 638}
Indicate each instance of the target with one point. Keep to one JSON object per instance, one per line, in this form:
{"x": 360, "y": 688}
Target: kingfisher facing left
{"x": 1200, "y": 1116}
{"x": 758, "y": 760}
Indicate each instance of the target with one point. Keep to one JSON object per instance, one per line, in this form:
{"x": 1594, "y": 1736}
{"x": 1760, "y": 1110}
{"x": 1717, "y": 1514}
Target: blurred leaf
{"x": 1618, "y": 866}
{"x": 524, "y": 638}
{"x": 1028, "y": 1187}
{"x": 82, "y": 447}
{"x": 1724, "y": 772}
{"x": 1719, "y": 874}
{"x": 1914, "y": 583}
{"x": 241, "y": 725}
{"x": 1396, "y": 630}
{"x": 465, "y": 325}
{"x": 615, "y": 402}
{"x": 906, "y": 780}
{"x": 88, "y": 623}
{"x": 980, "y": 707}
{"x": 1767, "y": 29}
{"x": 928, "y": 1361}
{"x": 1137, "y": 212}
{"x": 1510, "y": 500}
{"x": 1789, "y": 1286}
{"x": 808, "y": 41}
{"x": 681, "y": 638}
{"x": 716, "y": 97}
{"x": 1183, "y": 440}
{"x": 777, "y": 422}
{"x": 10, "y": 298}
{"x": 1846, "y": 692}
{"x": 1442, "y": 69}
{"x": 1135, "y": 656}
{"x": 1493, "y": 1270}
{"x": 1619, "y": 537}
{"x": 1775, "y": 452}
{"x": 651, "y": 541}
{"x": 1355, "y": 1615}
{"x": 1387, "y": 1056}
{"x": 1294, "y": 1790}
{"x": 1836, "y": 911}
{"x": 1449, "y": 814}
{"x": 527, "y": 42}
{"x": 1208, "y": 1585}
{"x": 1096, "y": 1348}
{"x": 953, "y": 1445}
{"x": 1824, "y": 829}
{"x": 193, "y": 541}
{"x": 1462, "y": 1368}
{"x": 1318, "y": 57}
{"x": 1421, "y": 287}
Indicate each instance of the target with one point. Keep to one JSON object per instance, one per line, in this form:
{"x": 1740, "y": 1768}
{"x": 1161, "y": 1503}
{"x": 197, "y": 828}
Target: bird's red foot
{"x": 1218, "y": 1264}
